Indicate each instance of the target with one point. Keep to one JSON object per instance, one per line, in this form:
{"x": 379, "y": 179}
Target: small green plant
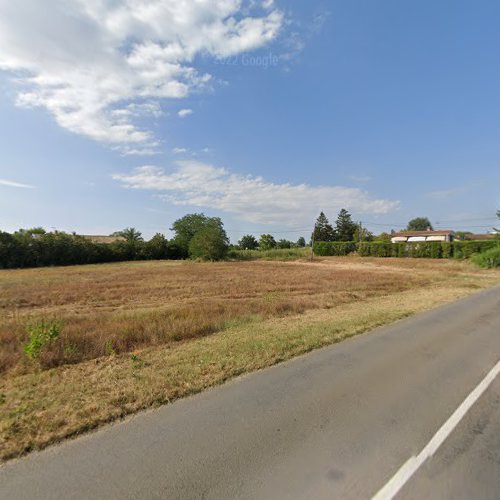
{"x": 40, "y": 335}
{"x": 108, "y": 347}
{"x": 138, "y": 363}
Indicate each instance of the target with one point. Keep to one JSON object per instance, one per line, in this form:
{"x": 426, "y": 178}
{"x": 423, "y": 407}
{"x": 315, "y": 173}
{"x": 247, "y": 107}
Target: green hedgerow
{"x": 489, "y": 259}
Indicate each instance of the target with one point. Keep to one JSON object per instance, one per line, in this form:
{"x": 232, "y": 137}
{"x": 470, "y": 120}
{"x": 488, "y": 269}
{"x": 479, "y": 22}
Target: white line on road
{"x": 409, "y": 468}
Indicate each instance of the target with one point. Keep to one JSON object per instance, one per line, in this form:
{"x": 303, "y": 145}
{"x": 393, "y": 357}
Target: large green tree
{"x": 267, "y": 242}
{"x": 345, "y": 228}
{"x": 156, "y": 248}
{"x": 186, "y": 227}
{"x": 209, "y": 243}
{"x": 284, "y": 244}
{"x": 419, "y": 224}
{"x": 301, "y": 242}
{"x": 248, "y": 242}
{"x": 323, "y": 230}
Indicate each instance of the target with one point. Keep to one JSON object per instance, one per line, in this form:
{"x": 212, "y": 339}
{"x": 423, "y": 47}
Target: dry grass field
{"x": 136, "y": 335}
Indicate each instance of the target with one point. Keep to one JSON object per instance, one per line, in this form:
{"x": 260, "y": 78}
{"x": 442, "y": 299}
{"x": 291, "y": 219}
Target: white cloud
{"x": 250, "y": 198}
{"x": 96, "y": 65}
{"x": 4, "y": 182}
{"x": 185, "y": 112}
{"x": 179, "y": 151}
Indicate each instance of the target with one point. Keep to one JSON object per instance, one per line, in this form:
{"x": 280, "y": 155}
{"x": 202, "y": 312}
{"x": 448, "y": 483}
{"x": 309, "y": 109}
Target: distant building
{"x": 102, "y": 239}
{"x": 416, "y": 236}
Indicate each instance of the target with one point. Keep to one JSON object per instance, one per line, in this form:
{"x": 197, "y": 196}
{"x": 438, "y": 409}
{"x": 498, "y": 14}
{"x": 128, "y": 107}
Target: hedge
{"x": 426, "y": 249}
{"x": 61, "y": 249}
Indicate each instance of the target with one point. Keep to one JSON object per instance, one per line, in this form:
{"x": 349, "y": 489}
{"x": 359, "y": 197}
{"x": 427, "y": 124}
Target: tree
{"x": 209, "y": 243}
{"x": 386, "y": 237}
{"x": 345, "y": 227}
{"x": 284, "y": 244}
{"x": 301, "y": 242}
{"x": 419, "y": 224}
{"x": 130, "y": 234}
{"x": 267, "y": 242}
{"x": 156, "y": 248}
{"x": 248, "y": 242}
{"x": 362, "y": 234}
{"x": 323, "y": 231}
{"x": 186, "y": 227}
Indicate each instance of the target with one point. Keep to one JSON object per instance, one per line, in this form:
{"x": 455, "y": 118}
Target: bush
{"x": 489, "y": 259}
{"x": 465, "y": 249}
{"x": 334, "y": 248}
{"x": 40, "y": 335}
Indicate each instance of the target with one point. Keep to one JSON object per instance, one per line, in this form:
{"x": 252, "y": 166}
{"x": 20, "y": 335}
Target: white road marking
{"x": 391, "y": 488}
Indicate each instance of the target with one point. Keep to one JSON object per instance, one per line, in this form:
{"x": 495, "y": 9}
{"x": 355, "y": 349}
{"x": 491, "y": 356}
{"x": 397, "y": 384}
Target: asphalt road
{"x": 336, "y": 423}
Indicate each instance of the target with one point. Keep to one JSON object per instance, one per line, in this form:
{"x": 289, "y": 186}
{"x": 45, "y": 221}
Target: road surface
{"x": 337, "y": 423}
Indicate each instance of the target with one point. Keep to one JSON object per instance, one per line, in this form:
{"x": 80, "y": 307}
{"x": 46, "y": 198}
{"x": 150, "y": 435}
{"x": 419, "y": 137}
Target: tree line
{"x": 196, "y": 236}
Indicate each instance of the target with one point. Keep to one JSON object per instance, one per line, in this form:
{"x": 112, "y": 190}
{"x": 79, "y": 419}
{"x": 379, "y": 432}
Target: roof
{"x": 441, "y": 232}
{"x": 102, "y": 239}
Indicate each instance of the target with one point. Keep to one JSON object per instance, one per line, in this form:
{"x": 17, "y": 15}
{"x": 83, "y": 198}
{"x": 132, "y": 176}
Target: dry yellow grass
{"x": 258, "y": 314}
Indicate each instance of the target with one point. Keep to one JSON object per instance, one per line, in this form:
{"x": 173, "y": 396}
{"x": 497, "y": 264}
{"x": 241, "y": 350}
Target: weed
{"x": 40, "y": 335}
{"x": 108, "y": 348}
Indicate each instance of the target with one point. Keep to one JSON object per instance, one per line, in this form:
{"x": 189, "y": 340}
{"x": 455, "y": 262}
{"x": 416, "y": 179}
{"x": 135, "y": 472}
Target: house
{"x": 102, "y": 239}
{"x": 416, "y": 236}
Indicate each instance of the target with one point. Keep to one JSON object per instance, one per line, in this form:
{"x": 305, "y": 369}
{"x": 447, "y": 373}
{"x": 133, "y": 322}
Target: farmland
{"x": 136, "y": 335}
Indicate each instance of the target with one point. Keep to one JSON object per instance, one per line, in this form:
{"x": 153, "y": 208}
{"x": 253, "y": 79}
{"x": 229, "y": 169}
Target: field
{"x": 137, "y": 335}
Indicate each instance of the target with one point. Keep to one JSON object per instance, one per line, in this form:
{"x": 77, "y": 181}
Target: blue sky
{"x": 133, "y": 113}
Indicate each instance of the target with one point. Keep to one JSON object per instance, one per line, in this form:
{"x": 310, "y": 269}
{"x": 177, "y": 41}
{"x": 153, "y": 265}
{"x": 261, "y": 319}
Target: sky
{"x": 119, "y": 113}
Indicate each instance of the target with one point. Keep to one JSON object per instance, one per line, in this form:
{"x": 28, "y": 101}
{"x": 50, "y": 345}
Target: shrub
{"x": 334, "y": 248}
{"x": 489, "y": 259}
{"x": 465, "y": 249}
{"x": 40, "y": 335}
{"x": 378, "y": 249}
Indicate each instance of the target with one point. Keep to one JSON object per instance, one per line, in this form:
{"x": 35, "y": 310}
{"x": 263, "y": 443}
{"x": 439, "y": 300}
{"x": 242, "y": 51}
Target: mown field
{"x": 137, "y": 335}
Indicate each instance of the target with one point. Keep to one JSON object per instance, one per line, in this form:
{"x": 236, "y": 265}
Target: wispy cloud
{"x": 445, "y": 194}
{"x": 300, "y": 33}
{"x": 184, "y": 112}
{"x": 99, "y": 65}
{"x": 5, "y": 182}
{"x": 249, "y": 198}
{"x": 360, "y": 178}
{"x": 179, "y": 151}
